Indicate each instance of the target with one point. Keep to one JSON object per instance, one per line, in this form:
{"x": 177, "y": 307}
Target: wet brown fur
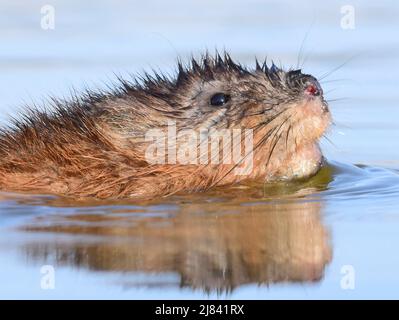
{"x": 93, "y": 145}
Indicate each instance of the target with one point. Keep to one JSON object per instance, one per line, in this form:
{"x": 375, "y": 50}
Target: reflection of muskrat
{"x": 215, "y": 246}
{"x": 95, "y": 145}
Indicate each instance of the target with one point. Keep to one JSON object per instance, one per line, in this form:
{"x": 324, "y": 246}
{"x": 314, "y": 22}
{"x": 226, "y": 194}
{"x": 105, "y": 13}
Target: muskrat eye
{"x": 312, "y": 90}
{"x": 219, "y": 99}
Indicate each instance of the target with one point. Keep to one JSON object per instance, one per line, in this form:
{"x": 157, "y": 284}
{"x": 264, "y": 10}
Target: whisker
{"x": 277, "y": 140}
{"x": 257, "y": 113}
{"x": 301, "y": 48}
{"x": 269, "y": 120}
{"x": 329, "y": 140}
{"x": 336, "y": 68}
{"x": 252, "y": 151}
{"x": 338, "y": 99}
{"x": 209, "y": 162}
{"x": 341, "y": 125}
{"x": 259, "y": 144}
{"x": 306, "y": 59}
{"x": 331, "y": 90}
{"x": 274, "y": 146}
{"x": 334, "y": 80}
{"x": 286, "y": 137}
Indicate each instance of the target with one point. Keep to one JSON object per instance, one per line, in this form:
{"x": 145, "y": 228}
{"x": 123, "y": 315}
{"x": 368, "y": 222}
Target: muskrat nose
{"x": 312, "y": 87}
{"x": 312, "y": 90}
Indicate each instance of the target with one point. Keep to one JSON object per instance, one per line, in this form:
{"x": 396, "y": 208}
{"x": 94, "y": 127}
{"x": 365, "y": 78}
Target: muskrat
{"x": 95, "y": 144}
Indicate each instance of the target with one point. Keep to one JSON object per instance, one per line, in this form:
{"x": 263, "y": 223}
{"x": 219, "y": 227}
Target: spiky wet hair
{"x": 207, "y": 68}
{"x": 77, "y": 110}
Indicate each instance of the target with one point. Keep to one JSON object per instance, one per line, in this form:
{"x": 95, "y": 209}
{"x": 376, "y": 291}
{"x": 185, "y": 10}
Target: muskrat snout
{"x": 313, "y": 90}
{"x": 312, "y": 87}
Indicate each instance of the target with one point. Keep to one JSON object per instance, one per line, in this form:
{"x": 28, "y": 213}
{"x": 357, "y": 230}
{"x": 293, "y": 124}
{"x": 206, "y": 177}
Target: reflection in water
{"x": 215, "y": 244}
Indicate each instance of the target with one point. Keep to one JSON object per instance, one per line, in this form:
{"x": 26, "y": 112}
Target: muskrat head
{"x": 284, "y": 112}
{"x": 222, "y": 94}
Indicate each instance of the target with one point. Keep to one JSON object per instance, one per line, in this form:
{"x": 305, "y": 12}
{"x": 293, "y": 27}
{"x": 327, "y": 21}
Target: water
{"x": 298, "y": 240}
